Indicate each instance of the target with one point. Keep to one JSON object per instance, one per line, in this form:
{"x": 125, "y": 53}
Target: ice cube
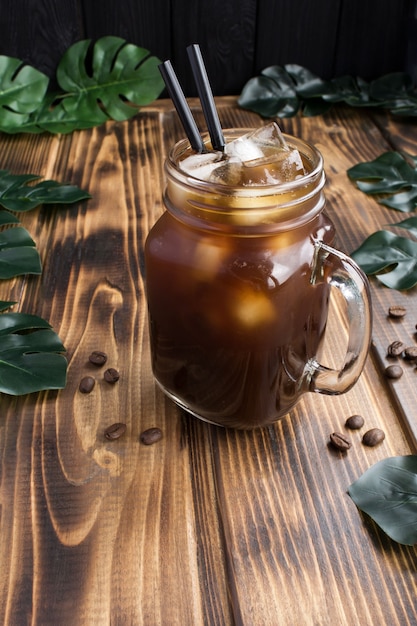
{"x": 257, "y": 144}
{"x": 228, "y": 173}
{"x": 253, "y": 308}
{"x": 266, "y": 157}
{"x": 201, "y": 165}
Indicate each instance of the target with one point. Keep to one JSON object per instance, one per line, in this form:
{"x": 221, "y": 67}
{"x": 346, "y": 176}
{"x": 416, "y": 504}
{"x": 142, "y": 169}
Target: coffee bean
{"x": 410, "y": 353}
{"x": 397, "y": 311}
{"x": 111, "y": 375}
{"x": 393, "y": 371}
{"x": 395, "y": 348}
{"x": 354, "y": 422}
{"x": 115, "y": 431}
{"x": 97, "y": 358}
{"x": 373, "y": 437}
{"x": 87, "y": 384}
{"x": 339, "y": 441}
{"x": 150, "y": 436}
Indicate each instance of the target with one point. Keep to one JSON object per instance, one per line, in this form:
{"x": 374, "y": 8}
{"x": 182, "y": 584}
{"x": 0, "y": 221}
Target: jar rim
{"x": 309, "y": 151}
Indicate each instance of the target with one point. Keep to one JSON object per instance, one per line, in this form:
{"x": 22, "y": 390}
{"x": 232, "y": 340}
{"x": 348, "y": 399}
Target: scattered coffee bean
{"x": 111, "y": 375}
{"x": 373, "y": 437}
{"x": 115, "y": 431}
{"x": 397, "y": 311}
{"x": 395, "y": 348}
{"x": 87, "y": 384}
{"x": 354, "y": 422}
{"x": 150, "y": 436}
{"x": 410, "y": 353}
{"x": 393, "y": 371}
{"x": 97, "y": 358}
{"x": 339, "y": 441}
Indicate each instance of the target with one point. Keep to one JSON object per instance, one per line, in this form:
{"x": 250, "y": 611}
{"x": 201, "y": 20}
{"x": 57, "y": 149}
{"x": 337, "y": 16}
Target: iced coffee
{"x": 238, "y": 274}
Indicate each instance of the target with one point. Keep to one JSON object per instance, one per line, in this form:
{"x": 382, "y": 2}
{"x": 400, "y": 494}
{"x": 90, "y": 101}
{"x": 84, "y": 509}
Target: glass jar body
{"x": 236, "y": 312}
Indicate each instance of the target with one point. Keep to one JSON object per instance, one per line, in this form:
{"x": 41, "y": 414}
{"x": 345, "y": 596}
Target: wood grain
{"x": 208, "y": 526}
{"x": 238, "y": 38}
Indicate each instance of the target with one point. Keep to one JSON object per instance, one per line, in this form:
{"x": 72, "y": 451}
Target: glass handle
{"x": 342, "y": 273}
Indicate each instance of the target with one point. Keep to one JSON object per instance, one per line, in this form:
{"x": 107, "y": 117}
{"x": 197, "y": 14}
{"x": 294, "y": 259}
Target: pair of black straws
{"x": 206, "y": 98}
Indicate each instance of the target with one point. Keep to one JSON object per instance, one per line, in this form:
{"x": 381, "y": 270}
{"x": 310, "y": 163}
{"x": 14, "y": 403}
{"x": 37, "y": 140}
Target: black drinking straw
{"x": 206, "y": 97}
{"x": 181, "y": 105}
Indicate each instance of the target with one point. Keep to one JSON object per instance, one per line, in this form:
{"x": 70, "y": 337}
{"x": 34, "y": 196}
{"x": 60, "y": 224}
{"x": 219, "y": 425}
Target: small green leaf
{"x": 390, "y": 173}
{"x": 30, "y": 355}
{"x": 6, "y": 304}
{"x": 18, "y": 254}
{"x": 387, "y": 492}
{"x": 16, "y": 195}
{"x": 307, "y": 84}
{"x": 271, "y": 94}
{"x": 393, "y": 258}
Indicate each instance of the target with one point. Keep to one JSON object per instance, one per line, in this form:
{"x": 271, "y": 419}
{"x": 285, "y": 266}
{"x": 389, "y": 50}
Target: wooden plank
{"x": 226, "y": 34}
{"x": 372, "y": 38}
{"x": 289, "y": 33}
{"x": 78, "y": 500}
{"x": 146, "y": 24}
{"x": 39, "y": 32}
{"x": 209, "y": 525}
{"x": 299, "y": 477}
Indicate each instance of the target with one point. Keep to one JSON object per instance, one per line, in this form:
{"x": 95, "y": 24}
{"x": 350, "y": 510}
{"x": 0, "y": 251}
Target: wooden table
{"x": 207, "y": 526}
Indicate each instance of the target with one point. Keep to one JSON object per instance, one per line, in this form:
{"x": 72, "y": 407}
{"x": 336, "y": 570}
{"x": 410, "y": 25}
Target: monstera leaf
{"x": 16, "y": 195}
{"x": 283, "y": 91}
{"x": 22, "y": 89}
{"x": 18, "y": 254}
{"x": 391, "y": 177}
{"x": 108, "y": 80}
{"x": 31, "y": 356}
{"x": 387, "y": 492}
{"x": 391, "y": 257}
{"x": 121, "y": 74}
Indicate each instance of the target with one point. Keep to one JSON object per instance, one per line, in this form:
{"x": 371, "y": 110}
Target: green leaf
{"x": 389, "y": 173}
{"x": 393, "y": 258}
{"x": 387, "y": 492}
{"x": 271, "y": 94}
{"x": 307, "y": 84}
{"x": 409, "y": 224}
{"x": 122, "y": 75}
{"x": 6, "y": 304}
{"x": 18, "y": 254}
{"x": 7, "y": 218}
{"x": 22, "y": 89}
{"x": 30, "y": 355}
{"x": 395, "y": 92}
{"x": 16, "y": 195}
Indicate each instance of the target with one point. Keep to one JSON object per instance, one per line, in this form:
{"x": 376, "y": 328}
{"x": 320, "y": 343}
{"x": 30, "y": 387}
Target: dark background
{"x": 238, "y": 38}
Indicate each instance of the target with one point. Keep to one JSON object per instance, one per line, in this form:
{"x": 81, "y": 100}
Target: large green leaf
{"x": 387, "y": 492}
{"x": 31, "y": 356}
{"x": 22, "y": 89}
{"x": 392, "y": 257}
{"x": 283, "y": 91}
{"x": 121, "y": 75}
{"x": 18, "y": 254}
{"x": 16, "y": 195}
